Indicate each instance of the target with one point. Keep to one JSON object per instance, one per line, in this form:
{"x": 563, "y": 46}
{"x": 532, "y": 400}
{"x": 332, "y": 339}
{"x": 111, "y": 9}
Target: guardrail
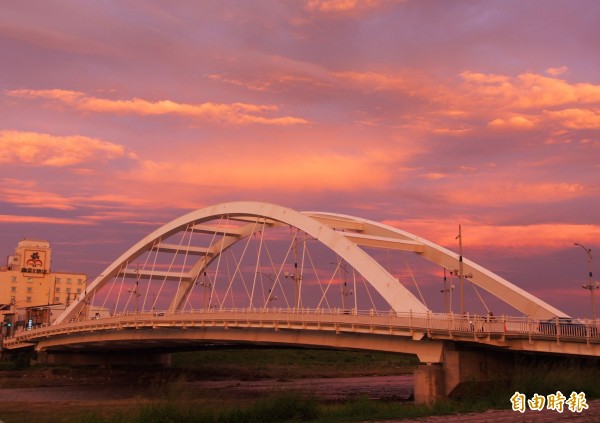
{"x": 434, "y": 325}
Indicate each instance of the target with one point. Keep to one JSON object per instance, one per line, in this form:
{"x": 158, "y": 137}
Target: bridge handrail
{"x": 431, "y": 324}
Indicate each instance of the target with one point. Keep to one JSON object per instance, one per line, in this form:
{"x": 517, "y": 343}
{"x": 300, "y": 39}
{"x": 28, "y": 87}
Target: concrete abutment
{"x": 463, "y": 368}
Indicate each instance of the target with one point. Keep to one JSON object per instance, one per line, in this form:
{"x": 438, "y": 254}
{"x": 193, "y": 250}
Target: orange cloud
{"x": 7, "y": 218}
{"x": 577, "y": 118}
{"x": 504, "y": 193}
{"x": 557, "y": 71}
{"x": 315, "y": 172}
{"x": 332, "y": 6}
{"x": 28, "y": 194}
{"x": 530, "y": 90}
{"x": 529, "y": 239}
{"x": 234, "y": 113}
{"x": 34, "y": 198}
{"x": 372, "y": 80}
{"x": 515, "y": 122}
{"x": 32, "y": 148}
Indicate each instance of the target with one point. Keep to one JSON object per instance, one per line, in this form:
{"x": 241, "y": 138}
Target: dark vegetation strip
{"x": 173, "y": 402}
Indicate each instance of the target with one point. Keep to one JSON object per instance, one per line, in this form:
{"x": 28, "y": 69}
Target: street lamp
{"x": 590, "y": 285}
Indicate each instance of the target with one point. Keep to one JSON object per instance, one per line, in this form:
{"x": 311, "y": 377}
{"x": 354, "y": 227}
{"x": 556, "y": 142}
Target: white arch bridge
{"x": 261, "y": 273}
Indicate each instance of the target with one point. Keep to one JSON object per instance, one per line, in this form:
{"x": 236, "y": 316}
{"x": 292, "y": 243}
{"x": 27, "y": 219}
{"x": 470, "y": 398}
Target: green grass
{"x": 284, "y": 363}
{"x": 279, "y": 407}
{"x": 566, "y": 376}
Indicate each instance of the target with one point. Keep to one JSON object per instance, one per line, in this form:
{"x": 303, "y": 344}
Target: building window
{"x": 13, "y": 279}
{"x": 78, "y": 290}
{"x": 56, "y": 289}
{"x": 28, "y": 299}
{"x": 79, "y": 281}
{"x": 29, "y": 289}
{"x": 57, "y": 280}
{"x": 56, "y": 299}
{"x": 69, "y": 280}
{"x": 68, "y": 290}
{"x": 13, "y": 289}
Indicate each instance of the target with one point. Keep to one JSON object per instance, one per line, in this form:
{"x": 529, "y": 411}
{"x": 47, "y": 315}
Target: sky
{"x": 118, "y": 116}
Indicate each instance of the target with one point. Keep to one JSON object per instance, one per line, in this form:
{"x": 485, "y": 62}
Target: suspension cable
{"x": 318, "y": 278}
{"x": 487, "y": 310}
{"x": 153, "y": 268}
{"x": 329, "y": 283}
{"x": 121, "y": 287}
{"x": 222, "y": 242}
{"x": 262, "y": 232}
{"x": 415, "y": 282}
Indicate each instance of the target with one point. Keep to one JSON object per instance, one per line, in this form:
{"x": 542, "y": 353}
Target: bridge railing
{"x": 430, "y": 324}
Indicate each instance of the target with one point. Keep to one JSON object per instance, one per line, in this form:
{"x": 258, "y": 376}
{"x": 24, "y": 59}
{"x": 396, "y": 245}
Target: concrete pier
{"x": 462, "y": 368}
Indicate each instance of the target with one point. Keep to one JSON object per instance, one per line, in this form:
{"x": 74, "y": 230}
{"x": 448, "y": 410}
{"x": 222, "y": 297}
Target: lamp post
{"x": 296, "y": 276}
{"x": 590, "y": 285}
{"x": 204, "y": 284}
{"x": 461, "y": 276}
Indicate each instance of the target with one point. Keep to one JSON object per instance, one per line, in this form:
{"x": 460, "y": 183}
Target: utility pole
{"x": 136, "y": 291}
{"x": 590, "y": 285}
{"x": 343, "y": 287}
{"x": 204, "y": 285}
{"x": 460, "y": 271}
{"x": 446, "y": 291}
{"x": 296, "y": 276}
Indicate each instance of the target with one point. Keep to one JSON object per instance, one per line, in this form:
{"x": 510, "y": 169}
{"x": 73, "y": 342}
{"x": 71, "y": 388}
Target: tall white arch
{"x": 341, "y": 233}
{"x": 397, "y": 296}
{"x": 369, "y": 233}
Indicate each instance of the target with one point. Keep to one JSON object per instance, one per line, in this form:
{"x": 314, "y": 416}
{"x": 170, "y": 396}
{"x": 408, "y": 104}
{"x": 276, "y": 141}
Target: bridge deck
{"x": 520, "y": 334}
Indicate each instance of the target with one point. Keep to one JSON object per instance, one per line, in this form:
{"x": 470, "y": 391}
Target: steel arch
{"x": 366, "y": 232}
{"x": 342, "y": 234}
{"x": 398, "y": 297}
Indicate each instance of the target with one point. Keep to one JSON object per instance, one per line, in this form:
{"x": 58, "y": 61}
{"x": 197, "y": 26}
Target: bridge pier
{"x": 105, "y": 359}
{"x": 429, "y": 383}
{"x": 464, "y": 370}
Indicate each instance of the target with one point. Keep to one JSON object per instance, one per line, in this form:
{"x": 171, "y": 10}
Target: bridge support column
{"x": 464, "y": 371}
{"x": 106, "y": 359}
{"x": 470, "y": 371}
{"x": 429, "y": 383}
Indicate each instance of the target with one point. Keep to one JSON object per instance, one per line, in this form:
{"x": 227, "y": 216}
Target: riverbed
{"x": 375, "y": 387}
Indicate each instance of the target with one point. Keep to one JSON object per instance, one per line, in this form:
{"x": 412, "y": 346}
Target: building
{"x": 30, "y": 292}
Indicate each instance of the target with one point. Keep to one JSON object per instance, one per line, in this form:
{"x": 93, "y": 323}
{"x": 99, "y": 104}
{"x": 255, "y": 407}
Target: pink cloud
{"x": 6, "y": 218}
{"x": 515, "y": 122}
{"x": 29, "y": 194}
{"x": 372, "y": 80}
{"x": 576, "y": 118}
{"x": 345, "y": 6}
{"x": 557, "y": 71}
{"x": 535, "y": 239}
{"x": 232, "y": 113}
{"x": 32, "y": 148}
{"x": 508, "y": 192}
{"x": 530, "y": 90}
{"x": 278, "y": 170}
{"x": 35, "y": 199}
